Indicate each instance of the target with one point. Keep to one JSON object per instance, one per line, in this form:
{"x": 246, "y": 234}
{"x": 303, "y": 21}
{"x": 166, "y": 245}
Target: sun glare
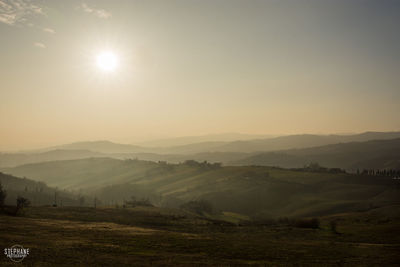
{"x": 107, "y": 61}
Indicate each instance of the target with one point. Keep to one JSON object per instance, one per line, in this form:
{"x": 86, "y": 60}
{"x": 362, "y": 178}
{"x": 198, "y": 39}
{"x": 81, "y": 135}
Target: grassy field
{"x": 151, "y": 236}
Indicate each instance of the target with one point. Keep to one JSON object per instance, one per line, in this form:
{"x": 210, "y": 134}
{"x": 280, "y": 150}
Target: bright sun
{"x": 107, "y": 61}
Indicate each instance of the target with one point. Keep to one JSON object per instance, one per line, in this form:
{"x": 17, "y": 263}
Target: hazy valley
{"x": 112, "y": 190}
{"x": 250, "y": 183}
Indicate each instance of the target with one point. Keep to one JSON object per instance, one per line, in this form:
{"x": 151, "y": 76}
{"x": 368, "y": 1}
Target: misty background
{"x": 189, "y": 68}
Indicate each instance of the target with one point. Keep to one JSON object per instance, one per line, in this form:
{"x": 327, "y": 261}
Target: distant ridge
{"x": 187, "y": 140}
{"x": 236, "y": 152}
{"x": 15, "y": 159}
{"x": 102, "y": 146}
{"x": 244, "y": 146}
{"x": 375, "y": 154}
{"x": 302, "y": 141}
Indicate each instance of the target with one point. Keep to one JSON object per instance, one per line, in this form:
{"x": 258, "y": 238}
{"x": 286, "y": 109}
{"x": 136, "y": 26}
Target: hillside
{"x": 377, "y": 154}
{"x": 302, "y": 141}
{"x": 15, "y": 159}
{"x": 38, "y": 193}
{"x": 254, "y": 191}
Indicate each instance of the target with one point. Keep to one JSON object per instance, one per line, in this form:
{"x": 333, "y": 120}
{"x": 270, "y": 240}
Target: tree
{"x": 133, "y": 202}
{"x": 3, "y": 195}
{"x": 21, "y": 204}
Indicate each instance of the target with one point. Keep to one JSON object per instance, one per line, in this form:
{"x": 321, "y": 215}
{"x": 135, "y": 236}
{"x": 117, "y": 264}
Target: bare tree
{"x": 3, "y": 195}
{"x": 21, "y": 204}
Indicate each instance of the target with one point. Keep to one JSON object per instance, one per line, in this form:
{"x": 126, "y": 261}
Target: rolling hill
{"x": 302, "y": 141}
{"x": 377, "y": 154}
{"x": 38, "y": 193}
{"x": 254, "y": 191}
{"x": 15, "y": 159}
{"x": 187, "y": 140}
{"x": 242, "y": 146}
{"x": 101, "y": 147}
{"x": 237, "y": 153}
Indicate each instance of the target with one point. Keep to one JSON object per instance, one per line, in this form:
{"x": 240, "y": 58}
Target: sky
{"x": 194, "y": 67}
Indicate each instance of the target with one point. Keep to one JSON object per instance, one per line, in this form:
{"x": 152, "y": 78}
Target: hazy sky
{"x": 196, "y": 67}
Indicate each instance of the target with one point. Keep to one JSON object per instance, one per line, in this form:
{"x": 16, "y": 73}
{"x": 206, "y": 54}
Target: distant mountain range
{"x": 102, "y": 147}
{"x": 187, "y": 140}
{"x": 302, "y": 141}
{"x": 15, "y": 159}
{"x": 376, "y": 154}
{"x": 243, "y": 146}
{"x": 288, "y": 151}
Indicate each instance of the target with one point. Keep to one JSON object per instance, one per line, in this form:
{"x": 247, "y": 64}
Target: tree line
{"x": 393, "y": 173}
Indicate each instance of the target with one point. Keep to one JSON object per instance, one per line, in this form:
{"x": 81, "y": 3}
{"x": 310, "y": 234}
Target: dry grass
{"x": 84, "y": 240}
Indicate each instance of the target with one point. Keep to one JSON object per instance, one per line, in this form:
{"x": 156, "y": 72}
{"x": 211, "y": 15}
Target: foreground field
{"x": 151, "y": 236}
